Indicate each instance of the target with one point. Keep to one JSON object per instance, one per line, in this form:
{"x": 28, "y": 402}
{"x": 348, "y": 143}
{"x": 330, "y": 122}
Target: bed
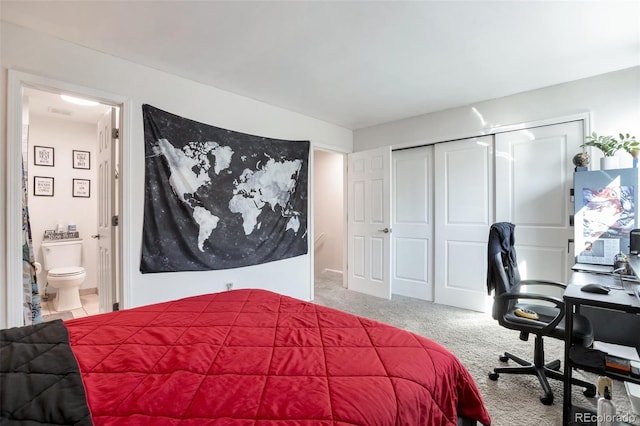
{"x": 242, "y": 357}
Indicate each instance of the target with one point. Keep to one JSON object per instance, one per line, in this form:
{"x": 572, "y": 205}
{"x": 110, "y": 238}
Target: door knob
{"x": 385, "y": 230}
{"x": 97, "y": 236}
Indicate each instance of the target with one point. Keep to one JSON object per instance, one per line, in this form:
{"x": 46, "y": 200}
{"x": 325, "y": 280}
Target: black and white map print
{"x": 219, "y": 199}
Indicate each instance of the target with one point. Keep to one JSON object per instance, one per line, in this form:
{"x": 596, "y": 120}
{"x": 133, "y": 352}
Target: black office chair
{"x": 511, "y": 308}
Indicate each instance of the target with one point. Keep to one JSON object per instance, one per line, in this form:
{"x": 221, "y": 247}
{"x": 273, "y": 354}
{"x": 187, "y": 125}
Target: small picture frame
{"x": 81, "y": 159}
{"x": 82, "y": 188}
{"x": 43, "y": 186}
{"x": 43, "y": 156}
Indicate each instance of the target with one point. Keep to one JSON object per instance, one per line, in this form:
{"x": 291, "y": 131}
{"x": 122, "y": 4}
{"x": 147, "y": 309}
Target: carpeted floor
{"x": 477, "y": 340}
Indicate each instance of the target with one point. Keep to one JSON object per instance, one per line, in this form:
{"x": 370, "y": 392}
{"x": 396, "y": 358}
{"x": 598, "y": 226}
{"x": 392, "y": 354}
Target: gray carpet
{"x": 477, "y": 340}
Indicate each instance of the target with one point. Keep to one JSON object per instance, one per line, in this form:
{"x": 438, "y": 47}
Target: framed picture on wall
{"x": 82, "y": 188}
{"x": 81, "y": 159}
{"x": 43, "y": 156}
{"x": 43, "y": 186}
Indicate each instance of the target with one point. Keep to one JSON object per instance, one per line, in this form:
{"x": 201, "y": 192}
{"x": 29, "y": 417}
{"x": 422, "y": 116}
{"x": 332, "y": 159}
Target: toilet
{"x": 62, "y": 260}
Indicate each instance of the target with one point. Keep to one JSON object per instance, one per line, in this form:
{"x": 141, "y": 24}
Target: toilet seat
{"x": 65, "y": 272}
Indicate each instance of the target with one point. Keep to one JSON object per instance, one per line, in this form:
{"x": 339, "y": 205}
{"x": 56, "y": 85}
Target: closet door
{"x": 412, "y": 238}
{"x": 534, "y": 174}
{"x": 464, "y": 212}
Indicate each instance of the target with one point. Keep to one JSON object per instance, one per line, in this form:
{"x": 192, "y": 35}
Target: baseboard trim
{"x": 333, "y": 271}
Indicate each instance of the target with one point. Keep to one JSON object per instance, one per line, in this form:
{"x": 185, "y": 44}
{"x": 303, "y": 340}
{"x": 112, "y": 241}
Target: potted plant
{"x": 631, "y": 145}
{"x": 609, "y": 145}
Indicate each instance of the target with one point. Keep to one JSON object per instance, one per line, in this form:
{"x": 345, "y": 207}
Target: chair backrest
{"x": 502, "y": 266}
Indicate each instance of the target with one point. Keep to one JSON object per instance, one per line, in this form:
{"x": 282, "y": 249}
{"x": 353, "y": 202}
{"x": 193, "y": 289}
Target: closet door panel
{"x": 463, "y": 213}
{"x": 412, "y": 238}
{"x": 534, "y": 176}
{"x": 531, "y": 174}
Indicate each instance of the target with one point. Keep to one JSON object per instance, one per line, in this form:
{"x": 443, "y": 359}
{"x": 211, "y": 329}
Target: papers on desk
{"x": 621, "y": 351}
{"x": 589, "y": 267}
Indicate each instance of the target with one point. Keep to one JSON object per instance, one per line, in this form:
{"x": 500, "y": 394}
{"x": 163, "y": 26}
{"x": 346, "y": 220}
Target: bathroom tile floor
{"x": 89, "y": 307}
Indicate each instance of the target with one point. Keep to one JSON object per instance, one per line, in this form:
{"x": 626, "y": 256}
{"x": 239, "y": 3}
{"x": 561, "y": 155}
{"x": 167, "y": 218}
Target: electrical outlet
{"x": 229, "y": 286}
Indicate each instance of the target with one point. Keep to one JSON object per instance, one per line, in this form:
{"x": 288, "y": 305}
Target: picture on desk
{"x": 601, "y": 251}
{"x": 593, "y": 248}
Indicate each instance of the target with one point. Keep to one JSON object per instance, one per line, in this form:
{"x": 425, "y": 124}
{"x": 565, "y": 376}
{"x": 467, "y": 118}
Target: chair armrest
{"x": 543, "y": 282}
{"x": 534, "y": 296}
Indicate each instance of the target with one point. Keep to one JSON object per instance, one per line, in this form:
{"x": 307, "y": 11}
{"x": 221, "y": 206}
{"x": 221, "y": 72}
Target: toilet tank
{"x": 57, "y": 254}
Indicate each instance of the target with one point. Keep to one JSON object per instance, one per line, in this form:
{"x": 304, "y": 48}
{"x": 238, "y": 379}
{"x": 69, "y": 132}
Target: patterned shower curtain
{"x": 31, "y": 294}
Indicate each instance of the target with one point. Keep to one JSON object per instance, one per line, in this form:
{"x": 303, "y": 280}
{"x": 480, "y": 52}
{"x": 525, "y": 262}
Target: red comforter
{"x": 252, "y": 357}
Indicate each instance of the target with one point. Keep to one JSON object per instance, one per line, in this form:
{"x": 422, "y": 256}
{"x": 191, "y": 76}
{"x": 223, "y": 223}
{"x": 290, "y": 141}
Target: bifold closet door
{"x": 412, "y": 238}
{"x": 464, "y": 211}
{"x": 534, "y": 176}
{"x": 522, "y": 176}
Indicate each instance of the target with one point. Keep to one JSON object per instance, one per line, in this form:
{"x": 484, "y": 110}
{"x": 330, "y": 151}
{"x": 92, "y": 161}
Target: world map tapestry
{"x": 219, "y": 199}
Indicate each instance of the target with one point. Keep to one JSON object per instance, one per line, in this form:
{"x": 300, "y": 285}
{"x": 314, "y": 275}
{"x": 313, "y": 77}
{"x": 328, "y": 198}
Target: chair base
{"x": 542, "y": 370}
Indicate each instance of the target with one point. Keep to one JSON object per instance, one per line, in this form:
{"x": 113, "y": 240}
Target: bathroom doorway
{"x": 70, "y": 133}
{"x": 14, "y": 301}
{"x": 66, "y": 130}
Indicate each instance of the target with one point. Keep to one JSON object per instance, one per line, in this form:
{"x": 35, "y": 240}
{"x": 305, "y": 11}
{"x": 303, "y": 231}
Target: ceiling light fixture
{"x": 78, "y": 101}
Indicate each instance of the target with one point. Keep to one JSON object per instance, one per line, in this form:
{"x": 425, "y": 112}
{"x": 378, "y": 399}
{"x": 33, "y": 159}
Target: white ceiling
{"x": 52, "y": 105}
{"x": 354, "y": 63}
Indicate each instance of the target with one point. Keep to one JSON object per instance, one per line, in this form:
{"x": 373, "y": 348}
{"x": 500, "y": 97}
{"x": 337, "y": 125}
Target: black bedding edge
{"x": 40, "y": 381}
{"x": 463, "y": 421}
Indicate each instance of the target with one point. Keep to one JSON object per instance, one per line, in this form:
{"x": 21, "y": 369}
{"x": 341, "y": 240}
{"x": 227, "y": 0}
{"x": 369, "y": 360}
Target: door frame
{"x": 585, "y": 117}
{"x": 312, "y": 201}
{"x": 17, "y": 80}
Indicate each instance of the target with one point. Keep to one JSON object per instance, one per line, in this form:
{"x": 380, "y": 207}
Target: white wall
{"x": 36, "y": 53}
{"x": 328, "y": 210}
{"x": 613, "y": 100}
{"x": 64, "y": 136}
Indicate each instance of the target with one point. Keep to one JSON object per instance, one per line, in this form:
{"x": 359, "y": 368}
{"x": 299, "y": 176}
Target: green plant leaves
{"x": 609, "y": 145}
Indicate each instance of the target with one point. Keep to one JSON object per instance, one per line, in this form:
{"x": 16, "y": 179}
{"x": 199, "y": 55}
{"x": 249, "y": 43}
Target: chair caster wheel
{"x": 589, "y": 392}
{"x": 546, "y": 399}
{"x": 494, "y": 376}
{"x": 503, "y": 358}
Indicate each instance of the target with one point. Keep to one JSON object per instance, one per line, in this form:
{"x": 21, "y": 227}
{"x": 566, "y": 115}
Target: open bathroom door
{"x": 107, "y": 219}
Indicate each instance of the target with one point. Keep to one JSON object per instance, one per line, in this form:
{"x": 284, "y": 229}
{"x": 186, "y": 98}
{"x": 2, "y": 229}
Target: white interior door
{"x": 412, "y": 237}
{"x": 106, "y": 211}
{"x": 534, "y": 174}
{"x": 463, "y": 185}
{"x": 369, "y": 222}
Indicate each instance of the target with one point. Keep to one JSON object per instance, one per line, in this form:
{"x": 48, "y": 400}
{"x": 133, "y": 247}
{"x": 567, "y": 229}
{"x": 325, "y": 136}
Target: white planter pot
{"x": 608, "y": 163}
